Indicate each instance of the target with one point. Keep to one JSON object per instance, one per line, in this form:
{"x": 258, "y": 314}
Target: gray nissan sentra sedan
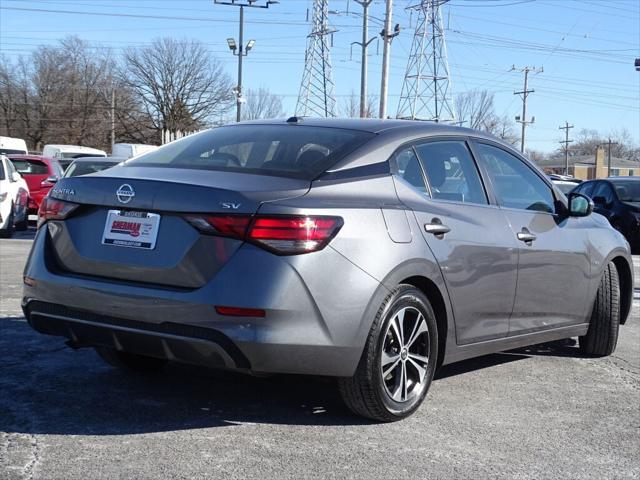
{"x": 371, "y": 251}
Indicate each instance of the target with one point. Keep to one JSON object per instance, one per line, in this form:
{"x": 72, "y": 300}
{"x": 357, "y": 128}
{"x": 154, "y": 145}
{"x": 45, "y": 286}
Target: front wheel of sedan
{"x": 602, "y": 336}
{"x": 399, "y": 359}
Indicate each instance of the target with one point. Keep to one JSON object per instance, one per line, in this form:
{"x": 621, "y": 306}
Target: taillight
{"x": 54, "y": 209}
{"x": 281, "y": 234}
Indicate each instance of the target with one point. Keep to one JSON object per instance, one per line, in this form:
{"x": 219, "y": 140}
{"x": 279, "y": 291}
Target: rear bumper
{"x": 172, "y": 341}
{"x": 305, "y": 330}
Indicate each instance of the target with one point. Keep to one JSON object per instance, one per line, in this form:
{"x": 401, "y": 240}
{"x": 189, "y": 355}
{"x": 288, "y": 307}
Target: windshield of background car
{"x": 9, "y": 151}
{"x": 85, "y": 168}
{"x": 30, "y": 167}
{"x": 295, "y": 151}
{"x": 628, "y": 191}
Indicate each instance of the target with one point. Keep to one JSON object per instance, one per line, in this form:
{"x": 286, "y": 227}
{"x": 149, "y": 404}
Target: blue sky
{"x": 594, "y": 85}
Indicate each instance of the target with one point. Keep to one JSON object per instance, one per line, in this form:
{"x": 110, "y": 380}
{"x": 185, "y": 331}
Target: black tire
{"x": 8, "y": 232}
{"x": 602, "y": 336}
{"x": 367, "y": 393}
{"x": 130, "y": 361}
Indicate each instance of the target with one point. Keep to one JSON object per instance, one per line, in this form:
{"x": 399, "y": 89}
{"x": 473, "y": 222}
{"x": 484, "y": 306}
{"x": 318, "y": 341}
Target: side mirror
{"x": 49, "y": 181}
{"x": 600, "y": 201}
{"x": 15, "y": 176}
{"x": 580, "y": 205}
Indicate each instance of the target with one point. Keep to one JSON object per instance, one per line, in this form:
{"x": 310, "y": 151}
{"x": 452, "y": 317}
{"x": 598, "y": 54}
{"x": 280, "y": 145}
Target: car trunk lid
{"x": 181, "y": 257}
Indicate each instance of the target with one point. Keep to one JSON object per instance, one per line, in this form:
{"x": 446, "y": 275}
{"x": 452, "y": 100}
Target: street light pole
{"x": 242, "y": 51}
{"x": 240, "y": 55}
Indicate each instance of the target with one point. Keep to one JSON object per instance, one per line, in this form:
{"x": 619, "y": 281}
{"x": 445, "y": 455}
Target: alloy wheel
{"x": 405, "y": 355}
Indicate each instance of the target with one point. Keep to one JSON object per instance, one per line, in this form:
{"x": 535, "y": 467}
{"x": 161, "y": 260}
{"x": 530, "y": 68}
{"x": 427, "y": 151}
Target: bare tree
{"x": 350, "y": 107}
{"x": 261, "y": 103}
{"x": 178, "y": 84}
{"x": 475, "y": 108}
{"x": 502, "y": 127}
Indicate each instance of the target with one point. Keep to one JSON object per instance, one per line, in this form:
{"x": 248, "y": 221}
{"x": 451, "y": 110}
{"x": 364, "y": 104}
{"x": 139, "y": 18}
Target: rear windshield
{"x": 296, "y": 151}
{"x": 85, "y": 168}
{"x": 30, "y": 167}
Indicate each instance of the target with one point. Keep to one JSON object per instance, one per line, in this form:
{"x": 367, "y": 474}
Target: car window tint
{"x": 30, "y": 167}
{"x": 627, "y": 191}
{"x": 603, "y": 190}
{"x": 451, "y": 172}
{"x": 586, "y": 188}
{"x": 516, "y": 185}
{"x": 410, "y": 170}
{"x": 296, "y": 151}
{"x": 2, "y": 176}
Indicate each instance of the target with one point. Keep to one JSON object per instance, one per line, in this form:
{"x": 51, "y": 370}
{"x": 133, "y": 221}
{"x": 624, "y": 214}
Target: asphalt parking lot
{"x": 539, "y": 412}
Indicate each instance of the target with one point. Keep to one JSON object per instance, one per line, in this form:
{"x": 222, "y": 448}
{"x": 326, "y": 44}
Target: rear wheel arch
{"x": 433, "y": 293}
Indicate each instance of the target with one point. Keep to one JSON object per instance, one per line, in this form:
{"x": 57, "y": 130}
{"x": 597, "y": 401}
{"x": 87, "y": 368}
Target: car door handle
{"x": 526, "y": 236}
{"x": 436, "y": 228}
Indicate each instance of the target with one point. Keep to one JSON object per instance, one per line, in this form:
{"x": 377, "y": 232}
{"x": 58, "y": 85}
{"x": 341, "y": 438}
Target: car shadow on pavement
{"x": 47, "y": 388}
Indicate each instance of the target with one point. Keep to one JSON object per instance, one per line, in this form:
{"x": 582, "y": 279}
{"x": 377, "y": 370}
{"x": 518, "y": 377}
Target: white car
{"x": 129, "y": 150}
{"x": 14, "y": 196}
{"x": 66, "y": 153}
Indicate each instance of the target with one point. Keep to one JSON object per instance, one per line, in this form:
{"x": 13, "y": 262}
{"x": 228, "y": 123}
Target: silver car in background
{"x": 371, "y": 251}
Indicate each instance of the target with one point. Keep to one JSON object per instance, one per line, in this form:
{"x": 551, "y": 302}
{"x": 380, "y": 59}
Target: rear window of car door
{"x": 451, "y": 171}
{"x": 516, "y": 185}
{"x": 585, "y": 188}
{"x": 410, "y": 170}
{"x": 605, "y": 191}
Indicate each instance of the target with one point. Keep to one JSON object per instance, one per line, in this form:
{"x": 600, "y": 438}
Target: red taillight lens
{"x": 227, "y": 225}
{"x": 54, "y": 209}
{"x": 284, "y": 235}
{"x": 291, "y": 235}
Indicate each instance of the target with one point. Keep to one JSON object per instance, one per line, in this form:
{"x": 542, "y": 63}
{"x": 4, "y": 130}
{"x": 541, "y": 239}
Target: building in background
{"x": 588, "y": 167}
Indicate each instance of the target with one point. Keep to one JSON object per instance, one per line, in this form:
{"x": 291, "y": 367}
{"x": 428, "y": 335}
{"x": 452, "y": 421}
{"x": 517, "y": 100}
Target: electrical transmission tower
{"x": 316, "y": 98}
{"x": 426, "y": 91}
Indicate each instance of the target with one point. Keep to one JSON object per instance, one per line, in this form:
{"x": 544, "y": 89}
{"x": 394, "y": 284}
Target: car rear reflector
{"x": 54, "y": 209}
{"x": 240, "y": 312}
{"x": 281, "y": 234}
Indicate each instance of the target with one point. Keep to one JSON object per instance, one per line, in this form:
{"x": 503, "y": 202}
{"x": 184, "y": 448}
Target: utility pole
{"x": 387, "y": 37}
{"x": 242, "y": 51}
{"x": 609, "y": 143}
{"x": 364, "y": 44}
{"x": 113, "y": 118}
{"x": 566, "y": 145}
{"x": 525, "y": 93}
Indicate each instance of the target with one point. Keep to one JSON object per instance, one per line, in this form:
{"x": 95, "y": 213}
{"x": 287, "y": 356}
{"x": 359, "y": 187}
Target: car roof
{"x": 623, "y": 179}
{"x": 74, "y": 148}
{"x": 372, "y": 125}
{"x": 40, "y": 158}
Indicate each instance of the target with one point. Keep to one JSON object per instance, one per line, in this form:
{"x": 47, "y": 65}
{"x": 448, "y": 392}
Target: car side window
{"x": 2, "y": 174}
{"x": 516, "y": 185}
{"x": 603, "y": 190}
{"x": 409, "y": 169}
{"x": 451, "y": 171}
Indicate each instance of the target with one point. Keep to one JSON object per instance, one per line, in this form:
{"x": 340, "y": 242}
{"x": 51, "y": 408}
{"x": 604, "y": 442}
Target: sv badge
{"x": 230, "y": 205}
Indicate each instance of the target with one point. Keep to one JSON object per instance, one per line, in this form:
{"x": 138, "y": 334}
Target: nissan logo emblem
{"x": 125, "y": 193}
